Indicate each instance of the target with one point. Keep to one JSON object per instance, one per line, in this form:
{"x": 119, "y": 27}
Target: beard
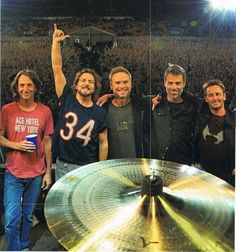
{"x": 85, "y": 93}
{"x": 216, "y": 108}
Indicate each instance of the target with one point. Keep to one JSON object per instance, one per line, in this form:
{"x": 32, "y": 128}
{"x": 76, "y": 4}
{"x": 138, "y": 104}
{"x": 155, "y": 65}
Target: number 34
{"x": 84, "y": 133}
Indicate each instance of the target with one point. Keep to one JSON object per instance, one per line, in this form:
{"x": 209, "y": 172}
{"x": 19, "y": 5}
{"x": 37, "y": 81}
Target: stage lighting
{"x": 223, "y": 4}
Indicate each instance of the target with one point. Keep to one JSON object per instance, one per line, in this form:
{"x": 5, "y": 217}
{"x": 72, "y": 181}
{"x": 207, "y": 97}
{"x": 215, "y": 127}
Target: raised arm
{"x": 59, "y": 77}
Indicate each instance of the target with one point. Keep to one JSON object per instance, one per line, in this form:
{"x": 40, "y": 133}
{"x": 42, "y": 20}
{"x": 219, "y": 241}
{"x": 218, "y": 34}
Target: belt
{"x": 68, "y": 162}
{"x": 65, "y": 161}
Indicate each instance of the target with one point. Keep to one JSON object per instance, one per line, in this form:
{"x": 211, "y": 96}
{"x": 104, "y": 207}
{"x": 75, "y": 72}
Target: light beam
{"x": 229, "y": 5}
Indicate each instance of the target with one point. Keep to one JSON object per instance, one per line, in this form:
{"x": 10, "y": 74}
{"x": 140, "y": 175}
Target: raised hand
{"x": 59, "y": 35}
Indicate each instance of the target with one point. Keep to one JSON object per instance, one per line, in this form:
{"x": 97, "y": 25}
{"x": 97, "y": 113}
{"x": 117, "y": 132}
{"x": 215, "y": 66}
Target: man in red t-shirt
{"x": 28, "y": 165}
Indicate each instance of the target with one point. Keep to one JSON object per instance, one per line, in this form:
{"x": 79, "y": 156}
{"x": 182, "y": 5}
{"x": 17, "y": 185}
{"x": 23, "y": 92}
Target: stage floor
{"x": 41, "y": 239}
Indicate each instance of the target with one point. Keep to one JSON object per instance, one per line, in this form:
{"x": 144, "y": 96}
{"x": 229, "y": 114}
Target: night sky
{"x": 135, "y": 8}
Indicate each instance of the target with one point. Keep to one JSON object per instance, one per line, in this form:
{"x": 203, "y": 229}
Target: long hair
{"x": 33, "y": 76}
{"x": 97, "y": 81}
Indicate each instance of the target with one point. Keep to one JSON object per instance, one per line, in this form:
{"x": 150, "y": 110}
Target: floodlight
{"x": 223, "y": 4}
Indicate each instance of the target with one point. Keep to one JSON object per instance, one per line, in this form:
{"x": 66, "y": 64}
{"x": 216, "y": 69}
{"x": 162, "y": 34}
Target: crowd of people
{"x": 146, "y": 59}
{"x": 41, "y": 26}
{"x": 202, "y": 58}
{"x": 185, "y": 122}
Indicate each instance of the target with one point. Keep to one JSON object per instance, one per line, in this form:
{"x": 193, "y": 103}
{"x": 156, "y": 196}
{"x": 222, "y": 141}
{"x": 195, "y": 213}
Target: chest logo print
{"x": 218, "y": 137}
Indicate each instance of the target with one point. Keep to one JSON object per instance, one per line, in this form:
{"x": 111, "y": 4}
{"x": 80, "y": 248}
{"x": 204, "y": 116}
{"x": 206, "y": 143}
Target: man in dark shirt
{"x": 125, "y": 116}
{"x": 81, "y": 131}
{"x": 215, "y": 133}
{"x": 173, "y": 119}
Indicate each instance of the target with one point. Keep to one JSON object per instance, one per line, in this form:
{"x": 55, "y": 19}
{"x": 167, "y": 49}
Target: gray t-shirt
{"x": 121, "y": 132}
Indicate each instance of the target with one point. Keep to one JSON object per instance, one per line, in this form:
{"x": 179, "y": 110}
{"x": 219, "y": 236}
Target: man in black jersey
{"x": 215, "y": 133}
{"x": 173, "y": 119}
{"x": 81, "y": 131}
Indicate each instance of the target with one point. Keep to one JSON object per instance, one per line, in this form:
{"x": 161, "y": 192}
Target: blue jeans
{"x": 62, "y": 168}
{"x": 20, "y": 198}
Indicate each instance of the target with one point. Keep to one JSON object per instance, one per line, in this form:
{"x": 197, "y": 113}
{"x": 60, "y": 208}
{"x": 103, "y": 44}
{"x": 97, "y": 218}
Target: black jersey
{"x": 76, "y": 132}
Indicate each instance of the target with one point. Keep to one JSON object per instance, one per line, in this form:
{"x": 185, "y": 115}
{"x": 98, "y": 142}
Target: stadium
{"x": 142, "y": 36}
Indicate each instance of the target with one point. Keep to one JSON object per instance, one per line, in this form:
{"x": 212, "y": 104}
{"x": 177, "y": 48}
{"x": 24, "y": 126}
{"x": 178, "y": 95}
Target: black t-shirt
{"x": 212, "y": 147}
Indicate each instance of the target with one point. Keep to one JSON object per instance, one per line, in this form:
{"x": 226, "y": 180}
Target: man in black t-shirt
{"x": 215, "y": 133}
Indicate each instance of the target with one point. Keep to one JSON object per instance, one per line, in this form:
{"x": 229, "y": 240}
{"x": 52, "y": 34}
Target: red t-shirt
{"x": 17, "y": 124}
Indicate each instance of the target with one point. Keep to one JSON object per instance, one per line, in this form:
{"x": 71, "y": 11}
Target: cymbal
{"x": 100, "y": 207}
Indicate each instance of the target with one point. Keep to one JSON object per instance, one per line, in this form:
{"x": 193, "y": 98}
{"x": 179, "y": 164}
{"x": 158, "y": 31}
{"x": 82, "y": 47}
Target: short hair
{"x": 176, "y": 70}
{"x": 213, "y": 82}
{"x": 33, "y": 76}
{"x": 97, "y": 80}
{"x": 118, "y": 70}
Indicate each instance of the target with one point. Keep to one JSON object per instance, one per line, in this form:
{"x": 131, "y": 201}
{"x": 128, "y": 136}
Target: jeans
{"x": 2, "y": 172}
{"x": 20, "y": 198}
{"x": 62, "y": 168}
